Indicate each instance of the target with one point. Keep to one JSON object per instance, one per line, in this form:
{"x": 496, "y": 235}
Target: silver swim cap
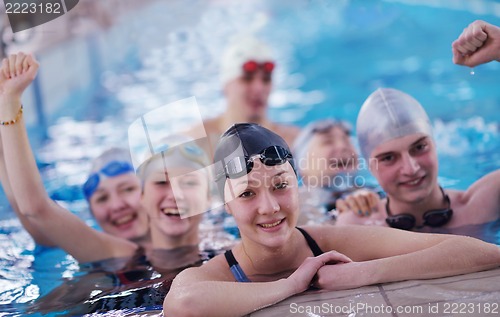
{"x": 300, "y": 147}
{"x": 389, "y": 114}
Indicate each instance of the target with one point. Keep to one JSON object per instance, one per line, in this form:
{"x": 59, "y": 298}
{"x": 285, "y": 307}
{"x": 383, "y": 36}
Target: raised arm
{"x": 59, "y": 225}
{"x": 387, "y": 255}
{"x": 205, "y": 292}
{"x": 33, "y": 230}
{"x": 479, "y": 43}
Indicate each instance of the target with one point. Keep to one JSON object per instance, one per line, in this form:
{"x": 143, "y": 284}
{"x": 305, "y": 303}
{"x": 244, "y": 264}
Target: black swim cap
{"x": 244, "y": 140}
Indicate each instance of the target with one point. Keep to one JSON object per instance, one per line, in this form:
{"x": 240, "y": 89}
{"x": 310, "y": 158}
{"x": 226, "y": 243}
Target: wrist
{"x": 289, "y": 287}
{"x": 15, "y": 118}
{"x": 9, "y": 107}
{"x": 10, "y": 98}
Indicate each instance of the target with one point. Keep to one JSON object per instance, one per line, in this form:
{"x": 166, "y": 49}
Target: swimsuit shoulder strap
{"x": 316, "y": 250}
{"x": 235, "y": 267}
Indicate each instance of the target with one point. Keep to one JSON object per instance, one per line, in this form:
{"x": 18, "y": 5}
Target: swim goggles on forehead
{"x": 252, "y": 66}
{"x": 324, "y": 126}
{"x": 432, "y": 218}
{"x": 113, "y": 168}
{"x": 189, "y": 150}
{"x": 239, "y": 166}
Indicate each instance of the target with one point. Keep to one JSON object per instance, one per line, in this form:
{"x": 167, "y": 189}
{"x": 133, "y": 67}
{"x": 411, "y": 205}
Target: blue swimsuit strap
{"x": 237, "y": 271}
{"x": 235, "y": 267}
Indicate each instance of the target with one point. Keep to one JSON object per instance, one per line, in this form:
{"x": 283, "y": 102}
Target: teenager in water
{"x": 255, "y": 175}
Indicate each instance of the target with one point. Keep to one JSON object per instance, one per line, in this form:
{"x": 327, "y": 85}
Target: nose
{"x": 258, "y": 85}
{"x": 341, "y": 146}
{"x": 117, "y": 202}
{"x": 410, "y": 165}
{"x": 174, "y": 191}
{"x": 268, "y": 204}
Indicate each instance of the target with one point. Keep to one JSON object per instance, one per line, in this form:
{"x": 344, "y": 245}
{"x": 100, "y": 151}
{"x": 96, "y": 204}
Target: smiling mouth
{"x": 124, "y": 220}
{"x": 171, "y": 212}
{"x": 271, "y": 225}
{"x": 413, "y": 182}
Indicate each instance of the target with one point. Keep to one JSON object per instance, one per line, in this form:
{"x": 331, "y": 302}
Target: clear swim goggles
{"x": 323, "y": 126}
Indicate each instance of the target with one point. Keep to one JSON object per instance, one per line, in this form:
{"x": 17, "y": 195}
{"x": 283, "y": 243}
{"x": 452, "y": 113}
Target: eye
{"x": 246, "y": 194}
{"x": 101, "y": 199}
{"x": 281, "y": 185}
{"x": 266, "y": 78}
{"x": 420, "y": 147}
{"x": 161, "y": 183}
{"x": 130, "y": 188}
{"x": 247, "y": 77}
{"x": 386, "y": 158}
{"x": 190, "y": 183}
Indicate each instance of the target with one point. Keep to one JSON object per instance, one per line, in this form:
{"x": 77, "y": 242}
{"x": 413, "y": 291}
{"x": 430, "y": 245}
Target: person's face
{"x": 116, "y": 205}
{"x": 406, "y": 167}
{"x": 264, "y": 203}
{"x": 248, "y": 94}
{"x": 329, "y": 153}
{"x": 167, "y": 198}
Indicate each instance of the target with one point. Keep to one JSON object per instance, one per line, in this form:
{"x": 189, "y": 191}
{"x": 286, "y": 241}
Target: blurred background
{"x": 106, "y": 62}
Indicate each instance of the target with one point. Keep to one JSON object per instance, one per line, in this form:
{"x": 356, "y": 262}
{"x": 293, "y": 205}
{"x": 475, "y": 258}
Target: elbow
{"x": 184, "y": 305}
{"x": 34, "y": 208}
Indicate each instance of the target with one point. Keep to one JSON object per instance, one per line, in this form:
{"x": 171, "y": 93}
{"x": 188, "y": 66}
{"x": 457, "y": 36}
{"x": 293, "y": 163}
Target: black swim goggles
{"x": 240, "y": 166}
{"x": 432, "y": 218}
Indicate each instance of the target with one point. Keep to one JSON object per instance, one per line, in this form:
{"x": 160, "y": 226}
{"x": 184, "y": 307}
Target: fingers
{"x": 17, "y": 64}
{"x": 332, "y": 257}
{"x": 373, "y": 201}
{"x": 471, "y": 47}
{"x": 467, "y": 43}
{"x": 341, "y": 205}
{"x": 5, "y": 68}
{"x": 362, "y": 202}
{"x": 359, "y": 204}
{"x": 12, "y": 65}
{"x": 30, "y": 65}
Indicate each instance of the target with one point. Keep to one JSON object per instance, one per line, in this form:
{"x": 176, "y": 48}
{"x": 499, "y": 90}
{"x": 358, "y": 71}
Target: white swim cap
{"x": 389, "y": 114}
{"x": 173, "y": 152}
{"x": 243, "y": 49}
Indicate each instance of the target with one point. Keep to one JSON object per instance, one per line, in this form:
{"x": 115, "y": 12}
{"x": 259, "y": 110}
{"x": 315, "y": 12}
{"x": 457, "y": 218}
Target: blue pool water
{"x": 331, "y": 56}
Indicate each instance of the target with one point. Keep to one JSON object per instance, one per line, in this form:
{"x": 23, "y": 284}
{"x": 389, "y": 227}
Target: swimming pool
{"x": 331, "y": 56}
